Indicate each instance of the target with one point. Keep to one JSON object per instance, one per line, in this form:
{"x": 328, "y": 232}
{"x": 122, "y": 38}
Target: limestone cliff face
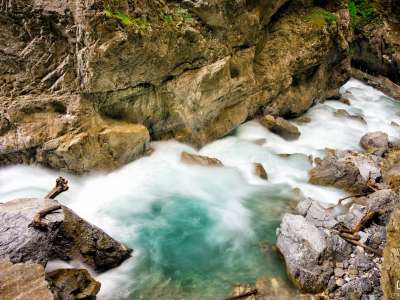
{"x": 85, "y": 85}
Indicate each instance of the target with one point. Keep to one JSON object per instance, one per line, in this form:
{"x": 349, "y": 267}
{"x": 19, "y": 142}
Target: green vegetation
{"x": 123, "y": 18}
{"x": 178, "y": 16}
{"x": 321, "y": 17}
{"x": 362, "y": 12}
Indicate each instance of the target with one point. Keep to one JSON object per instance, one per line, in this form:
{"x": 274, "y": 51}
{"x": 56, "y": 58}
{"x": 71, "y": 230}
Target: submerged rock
{"x": 199, "y": 160}
{"x": 304, "y": 248}
{"x": 260, "y": 171}
{"x": 281, "y": 127}
{"x": 71, "y": 284}
{"x": 66, "y": 236}
{"x": 375, "y": 142}
{"x": 25, "y": 281}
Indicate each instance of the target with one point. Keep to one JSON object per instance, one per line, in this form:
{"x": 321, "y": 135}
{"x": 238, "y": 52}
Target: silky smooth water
{"x": 195, "y": 230}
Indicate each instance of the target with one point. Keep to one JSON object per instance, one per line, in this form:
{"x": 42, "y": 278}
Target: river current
{"x": 195, "y": 230}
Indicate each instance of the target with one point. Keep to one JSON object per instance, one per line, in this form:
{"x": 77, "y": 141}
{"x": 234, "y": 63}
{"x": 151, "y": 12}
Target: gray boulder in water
{"x": 64, "y": 235}
{"x": 305, "y": 249}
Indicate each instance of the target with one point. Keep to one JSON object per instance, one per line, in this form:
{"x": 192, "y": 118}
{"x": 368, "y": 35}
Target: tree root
{"x": 357, "y": 243}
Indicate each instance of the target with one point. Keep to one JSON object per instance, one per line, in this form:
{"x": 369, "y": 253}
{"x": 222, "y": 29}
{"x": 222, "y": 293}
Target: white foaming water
{"x": 184, "y": 220}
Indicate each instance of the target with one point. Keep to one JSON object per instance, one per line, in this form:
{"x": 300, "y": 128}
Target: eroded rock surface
{"x": 78, "y": 86}
{"x": 66, "y": 237}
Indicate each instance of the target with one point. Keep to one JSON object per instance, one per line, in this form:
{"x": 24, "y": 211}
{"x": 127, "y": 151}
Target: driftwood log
{"x": 61, "y": 186}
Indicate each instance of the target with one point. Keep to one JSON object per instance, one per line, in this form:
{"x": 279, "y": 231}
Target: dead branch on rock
{"x": 61, "y": 186}
{"x": 352, "y": 196}
{"x": 357, "y": 243}
{"x": 247, "y": 294}
{"x": 37, "y": 218}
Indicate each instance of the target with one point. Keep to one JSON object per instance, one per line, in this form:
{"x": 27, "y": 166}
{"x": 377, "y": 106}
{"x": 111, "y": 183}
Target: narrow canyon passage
{"x": 196, "y": 231}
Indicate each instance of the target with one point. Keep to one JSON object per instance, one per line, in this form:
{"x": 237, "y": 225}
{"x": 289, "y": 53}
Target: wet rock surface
{"x": 338, "y": 249}
{"x": 66, "y": 236}
{"x": 260, "y": 171}
{"x": 71, "y": 284}
{"x": 281, "y": 127}
{"x": 200, "y": 160}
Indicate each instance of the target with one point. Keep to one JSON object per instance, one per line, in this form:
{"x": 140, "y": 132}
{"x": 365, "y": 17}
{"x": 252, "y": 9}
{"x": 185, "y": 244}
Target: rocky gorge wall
{"x": 85, "y": 85}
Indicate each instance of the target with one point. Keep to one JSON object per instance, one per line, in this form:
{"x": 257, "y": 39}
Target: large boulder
{"x": 72, "y": 284}
{"x": 65, "y": 236}
{"x": 348, "y": 170}
{"x": 305, "y": 249}
{"x": 281, "y": 127}
{"x": 375, "y": 142}
{"x": 24, "y": 281}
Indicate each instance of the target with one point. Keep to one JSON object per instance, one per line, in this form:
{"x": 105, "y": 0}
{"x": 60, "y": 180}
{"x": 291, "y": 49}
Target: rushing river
{"x": 196, "y": 231}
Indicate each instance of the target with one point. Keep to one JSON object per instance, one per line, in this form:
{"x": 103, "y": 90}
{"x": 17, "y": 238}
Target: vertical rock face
{"x": 85, "y": 84}
{"x": 391, "y": 259}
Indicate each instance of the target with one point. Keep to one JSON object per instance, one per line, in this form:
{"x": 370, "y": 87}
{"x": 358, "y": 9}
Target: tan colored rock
{"x": 72, "y": 284}
{"x": 23, "y": 281}
{"x": 303, "y": 120}
{"x": 200, "y": 160}
{"x": 260, "y": 171}
{"x": 281, "y": 127}
{"x": 391, "y": 259}
{"x": 61, "y": 85}
{"x": 391, "y": 169}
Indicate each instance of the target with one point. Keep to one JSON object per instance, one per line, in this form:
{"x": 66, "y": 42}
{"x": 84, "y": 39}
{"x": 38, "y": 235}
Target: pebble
{"x": 339, "y": 272}
{"x": 352, "y": 271}
{"x": 339, "y": 282}
{"x": 339, "y": 265}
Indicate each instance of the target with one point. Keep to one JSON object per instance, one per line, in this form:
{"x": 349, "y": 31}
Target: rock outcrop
{"x": 348, "y": 170}
{"x": 83, "y": 88}
{"x": 337, "y": 250}
{"x": 66, "y": 236}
